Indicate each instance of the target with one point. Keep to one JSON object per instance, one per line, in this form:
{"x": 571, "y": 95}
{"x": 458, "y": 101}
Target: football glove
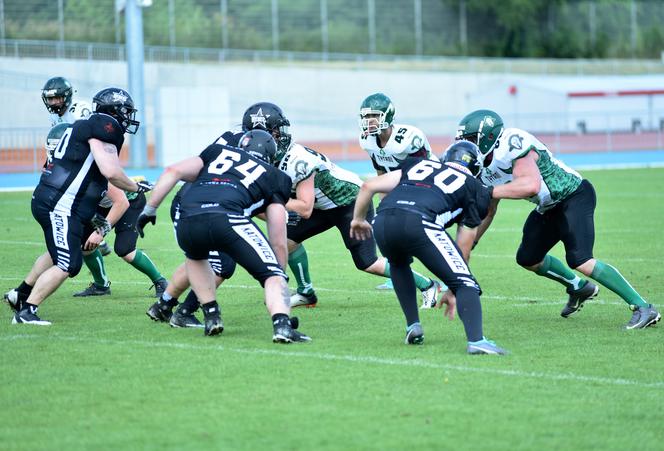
{"x": 144, "y": 186}
{"x": 293, "y": 218}
{"x": 149, "y": 214}
{"x": 100, "y": 224}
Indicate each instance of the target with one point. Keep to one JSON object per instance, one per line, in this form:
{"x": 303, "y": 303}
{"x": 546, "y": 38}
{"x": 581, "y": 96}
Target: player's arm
{"x": 186, "y": 170}
{"x": 526, "y": 179}
{"x": 276, "y": 231}
{"x": 305, "y": 197}
{"x": 465, "y": 239}
{"x": 120, "y": 204}
{"x": 360, "y": 229}
{"x": 106, "y": 157}
{"x": 486, "y": 222}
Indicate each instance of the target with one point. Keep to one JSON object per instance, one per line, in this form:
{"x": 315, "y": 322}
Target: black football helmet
{"x": 259, "y": 144}
{"x": 466, "y": 154}
{"x": 268, "y": 116}
{"x": 57, "y": 95}
{"x": 118, "y": 103}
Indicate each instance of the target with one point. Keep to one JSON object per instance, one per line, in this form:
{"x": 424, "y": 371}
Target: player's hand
{"x": 149, "y": 214}
{"x": 360, "y": 229}
{"x": 93, "y": 241}
{"x": 293, "y": 218}
{"x": 100, "y": 224}
{"x": 143, "y": 187}
{"x": 449, "y": 300}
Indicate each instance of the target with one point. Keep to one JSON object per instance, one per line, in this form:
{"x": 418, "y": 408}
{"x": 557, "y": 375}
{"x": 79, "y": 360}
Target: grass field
{"x": 105, "y": 377}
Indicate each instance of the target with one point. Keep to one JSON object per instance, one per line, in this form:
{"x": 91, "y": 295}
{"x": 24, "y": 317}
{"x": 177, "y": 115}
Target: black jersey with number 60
{"x": 71, "y": 180}
{"x": 430, "y": 189}
{"x": 233, "y": 181}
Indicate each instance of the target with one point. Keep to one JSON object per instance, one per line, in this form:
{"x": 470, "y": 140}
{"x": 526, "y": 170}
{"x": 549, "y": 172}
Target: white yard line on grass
{"x": 408, "y": 363}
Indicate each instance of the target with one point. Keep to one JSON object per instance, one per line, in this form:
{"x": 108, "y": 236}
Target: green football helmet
{"x": 482, "y": 127}
{"x": 57, "y": 95}
{"x": 54, "y": 136}
{"x": 379, "y": 107}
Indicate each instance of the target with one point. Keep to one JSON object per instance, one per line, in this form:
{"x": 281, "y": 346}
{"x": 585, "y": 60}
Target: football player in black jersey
{"x": 71, "y": 186}
{"x": 405, "y": 227}
{"x": 230, "y": 185}
{"x": 222, "y": 265}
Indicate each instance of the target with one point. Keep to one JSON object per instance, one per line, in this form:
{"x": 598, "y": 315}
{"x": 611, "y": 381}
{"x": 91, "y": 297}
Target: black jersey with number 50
{"x": 71, "y": 180}
{"x": 232, "y": 181}
{"x": 431, "y": 188}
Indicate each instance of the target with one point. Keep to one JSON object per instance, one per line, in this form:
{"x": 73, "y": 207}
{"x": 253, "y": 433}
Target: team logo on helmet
{"x": 259, "y": 119}
{"x": 119, "y": 97}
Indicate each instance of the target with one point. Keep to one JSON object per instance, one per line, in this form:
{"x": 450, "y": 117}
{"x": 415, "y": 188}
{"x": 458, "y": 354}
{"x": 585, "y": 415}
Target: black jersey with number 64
{"x": 431, "y": 189}
{"x": 235, "y": 182}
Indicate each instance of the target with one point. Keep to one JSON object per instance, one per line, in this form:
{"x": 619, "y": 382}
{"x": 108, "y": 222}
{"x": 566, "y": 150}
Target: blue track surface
{"x": 604, "y": 160}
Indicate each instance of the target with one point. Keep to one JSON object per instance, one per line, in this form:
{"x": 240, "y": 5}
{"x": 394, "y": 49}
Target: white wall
{"x": 323, "y": 103}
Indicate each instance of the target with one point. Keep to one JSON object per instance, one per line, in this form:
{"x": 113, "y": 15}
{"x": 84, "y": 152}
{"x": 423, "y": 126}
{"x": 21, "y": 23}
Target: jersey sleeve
{"x": 280, "y": 188}
{"x": 105, "y": 128}
{"x": 419, "y": 144}
{"x": 518, "y": 144}
{"x": 301, "y": 164}
{"x": 478, "y": 205}
{"x": 209, "y": 154}
{"x": 80, "y": 110}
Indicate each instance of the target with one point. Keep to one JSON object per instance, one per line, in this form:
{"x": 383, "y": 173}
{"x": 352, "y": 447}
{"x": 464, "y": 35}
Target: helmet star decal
{"x": 259, "y": 119}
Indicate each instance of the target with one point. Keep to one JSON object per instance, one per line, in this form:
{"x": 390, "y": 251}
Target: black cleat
{"x": 214, "y": 325}
{"x": 184, "y": 320}
{"x": 159, "y": 287}
{"x": 25, "y": 316}
{"x": 94, "y": 290}
{"x": 643, "y": 317}
{"x": 414, "y": 335}
{"x": 161, "y": 311}
{"x": 285, "y": 333}
{"x": 578, "y": 297}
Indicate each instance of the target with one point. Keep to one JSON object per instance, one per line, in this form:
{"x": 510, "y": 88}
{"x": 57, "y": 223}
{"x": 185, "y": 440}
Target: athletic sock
{"x": 298, "y": 262}
{"x": 554, "y": 269}
{"x": 404, "y": 287}
{"x": 611, "y": 278}
{"x": 421, "y": 282}
{"x": 190, "y": 304}
{"x": 95, "y": 263}
{"x": 24, "y": 289}
{"x": 143, "y": 263}
{"x": 469, "y": 309}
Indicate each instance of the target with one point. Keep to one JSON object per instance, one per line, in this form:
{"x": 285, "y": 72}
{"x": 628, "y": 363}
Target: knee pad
{"x": 363, "y": 258}
{"x": 525, "y": 258}
{"x": 575, "y": 260}
{"x": 124, "y": 244}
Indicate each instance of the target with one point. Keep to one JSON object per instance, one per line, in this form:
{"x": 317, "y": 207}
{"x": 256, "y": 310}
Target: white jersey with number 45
{"x": 558, "y": 180}
{"x": 404, "y": 141}
{"x": 333, "y": 186}
{"x": 77, "y": 110}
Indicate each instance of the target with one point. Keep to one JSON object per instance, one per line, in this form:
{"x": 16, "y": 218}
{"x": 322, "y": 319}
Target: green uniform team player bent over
{"x": 520, "y": 166}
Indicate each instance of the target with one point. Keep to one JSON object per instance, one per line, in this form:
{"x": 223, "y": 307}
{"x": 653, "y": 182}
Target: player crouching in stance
{"x": 71, "y": 186}
{"x": 405, "y": 227}
{"x": 231, "y": 184}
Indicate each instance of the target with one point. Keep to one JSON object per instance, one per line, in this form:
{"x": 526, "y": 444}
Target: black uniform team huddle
{"x": 83, "y": 193}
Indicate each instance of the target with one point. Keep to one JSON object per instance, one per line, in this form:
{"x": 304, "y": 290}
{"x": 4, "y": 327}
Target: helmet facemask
{"x": 373, "y": 122}
{"x": 283, "y": 138}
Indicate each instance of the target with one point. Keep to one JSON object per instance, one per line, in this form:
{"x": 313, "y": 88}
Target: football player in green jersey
{"x": 520, "y": 166}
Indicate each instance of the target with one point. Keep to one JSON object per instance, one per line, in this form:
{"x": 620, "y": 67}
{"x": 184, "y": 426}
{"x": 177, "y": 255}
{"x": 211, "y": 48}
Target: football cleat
{"x": 184, "y": 320}
{"x": 304, "y": 300}
{"x": 430, "y": 295}
{"x": 213, "y": 326}
{"x": 104, "y": 248}
{"x": 643, "y": 317}
{"x": 94, "y": 290}
{"x": 14, "y": 299}
{"x": 578, "y": 297}
{"x": 414, "y": 334}
{"x": 25, "y": 316}
{"x": 484, "y": 346}
{"x": 161, "y": 311}
{"x": 160, "y": 286}
{"x": 386, "y": 286}
{"x": 285, "y": 333}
